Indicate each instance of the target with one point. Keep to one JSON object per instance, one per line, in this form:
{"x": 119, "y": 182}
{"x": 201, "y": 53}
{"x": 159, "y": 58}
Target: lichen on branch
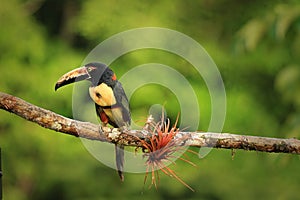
{"x": 56, "y": 122}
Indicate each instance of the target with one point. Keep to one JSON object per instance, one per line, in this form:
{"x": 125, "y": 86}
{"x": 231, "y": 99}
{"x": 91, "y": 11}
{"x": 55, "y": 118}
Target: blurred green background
{"x": 255, "y": 44}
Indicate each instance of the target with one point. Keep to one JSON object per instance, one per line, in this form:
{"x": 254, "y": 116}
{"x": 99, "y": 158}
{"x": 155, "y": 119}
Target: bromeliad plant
{"x": 160, "y": 149}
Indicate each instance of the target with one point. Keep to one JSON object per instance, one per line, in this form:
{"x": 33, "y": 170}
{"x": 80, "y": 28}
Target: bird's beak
{"x": 75, "y": 75}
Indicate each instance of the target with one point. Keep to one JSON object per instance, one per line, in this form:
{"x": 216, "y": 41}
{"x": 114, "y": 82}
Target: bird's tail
{"x": 120, "y": 160}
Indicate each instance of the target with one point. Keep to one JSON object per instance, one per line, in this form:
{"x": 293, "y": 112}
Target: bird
{"x": 111, "y": 102}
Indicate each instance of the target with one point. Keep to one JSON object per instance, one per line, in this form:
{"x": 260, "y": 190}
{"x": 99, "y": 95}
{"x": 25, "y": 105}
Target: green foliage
{"x": 255, "y": 44}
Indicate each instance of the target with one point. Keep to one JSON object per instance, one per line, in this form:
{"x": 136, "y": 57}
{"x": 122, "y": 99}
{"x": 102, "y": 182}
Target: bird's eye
{"x": 91, "y": 68}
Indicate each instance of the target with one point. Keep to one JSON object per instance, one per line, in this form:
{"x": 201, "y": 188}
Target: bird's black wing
{"x": 123, "y": 102}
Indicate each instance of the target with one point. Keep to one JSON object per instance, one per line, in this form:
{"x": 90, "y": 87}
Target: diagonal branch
{"x": 56, "y": 122}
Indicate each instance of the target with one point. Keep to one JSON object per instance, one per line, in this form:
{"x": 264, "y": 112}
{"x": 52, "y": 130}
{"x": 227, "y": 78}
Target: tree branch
{"x": 53, "y": 121}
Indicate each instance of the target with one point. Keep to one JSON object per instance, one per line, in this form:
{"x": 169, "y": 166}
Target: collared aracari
{"x": 107, "y": 92}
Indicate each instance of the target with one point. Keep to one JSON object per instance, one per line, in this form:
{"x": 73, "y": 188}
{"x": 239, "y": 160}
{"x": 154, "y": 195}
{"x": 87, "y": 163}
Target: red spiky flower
{"x": 160, "y": 148}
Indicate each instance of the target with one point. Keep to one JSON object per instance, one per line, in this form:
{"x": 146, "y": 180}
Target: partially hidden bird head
{"x": 95, "y": 72}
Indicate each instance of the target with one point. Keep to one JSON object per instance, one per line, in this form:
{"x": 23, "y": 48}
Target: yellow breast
{"x": 103, "y": 95}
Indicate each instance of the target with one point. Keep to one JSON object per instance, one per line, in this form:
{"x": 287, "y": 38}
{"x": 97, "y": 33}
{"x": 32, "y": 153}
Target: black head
{"x": 95, "y": 72}
{"x": 100, "y": 73}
